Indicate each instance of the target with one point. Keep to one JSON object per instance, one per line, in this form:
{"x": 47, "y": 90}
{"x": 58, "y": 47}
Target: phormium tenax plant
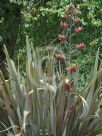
{"x": 47, "y": 100}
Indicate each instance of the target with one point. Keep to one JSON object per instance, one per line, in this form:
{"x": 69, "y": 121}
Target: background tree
{"x": 10, "y": 19}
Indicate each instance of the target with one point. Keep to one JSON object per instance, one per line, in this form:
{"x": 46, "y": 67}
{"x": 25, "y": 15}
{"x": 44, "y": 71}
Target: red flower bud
{"x": 78, "y": 30}
{"x": 64, "y": 24}
{"x": 77, "y": 20}
{"x": 61, "y": 37}
{"x": 80, "y": 46}
{"x": 72, "y": 69}
{"x": 59, "y": 57}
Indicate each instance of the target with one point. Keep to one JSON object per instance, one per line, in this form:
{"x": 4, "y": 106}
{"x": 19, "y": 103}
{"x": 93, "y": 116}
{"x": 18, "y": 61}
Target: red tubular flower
{"x": 77, "y": 20}
{"x": 67, "y": 17}
{"x": 72, "y": 69}
{"x": 59, "y": 57}
{"x": 80, "y": 46}
{"x": 61, "y": 37}
{"x": 68, "y": 85}
{"x": 64, "y": 24}
{"x": 78, "y": 30}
